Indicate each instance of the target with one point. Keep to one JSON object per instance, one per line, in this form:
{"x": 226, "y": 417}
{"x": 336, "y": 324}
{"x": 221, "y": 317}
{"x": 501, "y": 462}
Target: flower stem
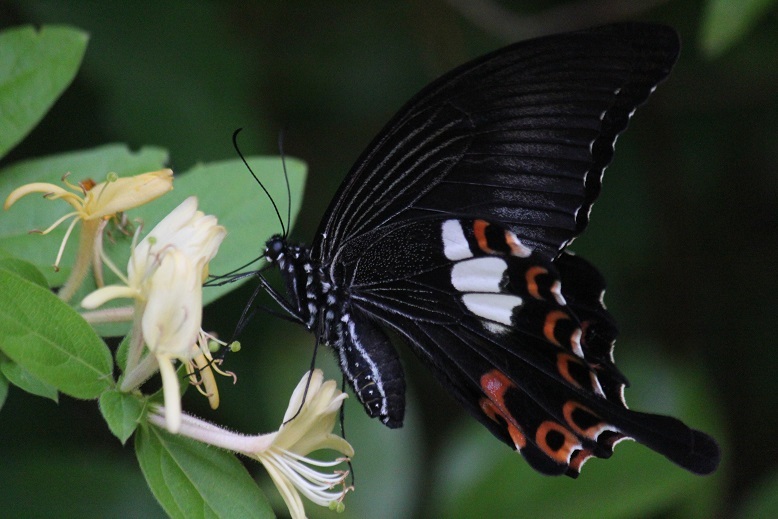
{"x": 139, "y": 374}
{"x": 109, "y": 315}
{"x": 136, "y": 338}
{"x": 86, "y": 243}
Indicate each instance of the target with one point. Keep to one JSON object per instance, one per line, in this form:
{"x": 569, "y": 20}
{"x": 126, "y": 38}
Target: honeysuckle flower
{"x": 93, "y": 204}
{"x": 165, "y": 275}
{"x": 306, "y": 428}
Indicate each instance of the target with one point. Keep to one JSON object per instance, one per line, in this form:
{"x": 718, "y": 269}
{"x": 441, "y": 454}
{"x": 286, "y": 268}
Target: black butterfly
{"x": 451, "y": 229}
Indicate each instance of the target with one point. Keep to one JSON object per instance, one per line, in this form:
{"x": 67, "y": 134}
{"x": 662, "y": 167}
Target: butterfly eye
{"x": 274, "y": 248}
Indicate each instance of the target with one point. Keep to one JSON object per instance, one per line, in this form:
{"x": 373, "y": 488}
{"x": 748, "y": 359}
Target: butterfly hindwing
{"x": 497, "y": 330}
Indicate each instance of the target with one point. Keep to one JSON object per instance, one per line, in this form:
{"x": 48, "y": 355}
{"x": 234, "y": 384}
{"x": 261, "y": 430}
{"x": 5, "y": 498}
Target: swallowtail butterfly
{"x": 451, "y": 229}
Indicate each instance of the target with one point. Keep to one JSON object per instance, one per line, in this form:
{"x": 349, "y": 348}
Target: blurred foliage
{"x": 686, "y": 232}
{"x": 725, "y": 23}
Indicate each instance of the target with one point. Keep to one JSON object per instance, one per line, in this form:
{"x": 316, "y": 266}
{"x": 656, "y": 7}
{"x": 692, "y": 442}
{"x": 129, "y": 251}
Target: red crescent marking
{"x": 532, "y": 284}
{"x": 495, "y": 384}
{"x": 567, "y": 411}
{"x": 479, "y": 228}
{"x": 562, "y": 455}
{"x": 550, "y": 325}
{"x": 563, "y": 366}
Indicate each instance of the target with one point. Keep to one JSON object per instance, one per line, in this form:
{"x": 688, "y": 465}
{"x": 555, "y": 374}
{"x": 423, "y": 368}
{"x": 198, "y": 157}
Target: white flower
{"x": 194, "y": 233}
{"x": 171, "y": 323}
{"x": 307, "y": 428}
{"x": 165, "y": 275}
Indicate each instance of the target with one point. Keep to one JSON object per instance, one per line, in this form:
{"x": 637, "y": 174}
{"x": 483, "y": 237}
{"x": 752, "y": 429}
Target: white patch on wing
{"x": 496, "y": 329}
{"x": 495, "y": 307}
{"x": 478, "y": 275}
{"x": 556, "y": 290}
{"x": 455, "y": 245}
{"x": 575, "y": 342}
{"x": 517, "y": 247}
{"x": 597, "y": 386}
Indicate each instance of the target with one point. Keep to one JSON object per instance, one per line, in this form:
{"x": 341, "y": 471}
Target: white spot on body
{"x": 375, "y": 375}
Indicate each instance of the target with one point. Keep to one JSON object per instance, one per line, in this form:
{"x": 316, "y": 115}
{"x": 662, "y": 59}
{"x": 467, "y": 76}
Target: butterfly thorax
{"x": 365, "y": 354}
{"x": 311, "y": 293}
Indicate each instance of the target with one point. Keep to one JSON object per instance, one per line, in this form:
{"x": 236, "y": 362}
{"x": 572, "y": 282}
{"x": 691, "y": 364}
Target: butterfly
{"x": 451, "y": 230}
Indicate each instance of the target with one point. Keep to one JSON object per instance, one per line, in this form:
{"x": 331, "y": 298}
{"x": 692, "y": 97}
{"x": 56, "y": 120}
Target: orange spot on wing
{"x": 494, "y": 385}
{"x": 479, "y": 229}
{"x": 563, "y": 367}
{"x": 547, "y": 432}
{"x": 590, "y": 432}
{"x": 532, "y": 281}
{"x": 550, "y": 325}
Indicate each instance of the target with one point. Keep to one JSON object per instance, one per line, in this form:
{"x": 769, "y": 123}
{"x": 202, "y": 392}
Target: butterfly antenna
{"x": 286, "y": 178}
{"x": 240, "y": 154}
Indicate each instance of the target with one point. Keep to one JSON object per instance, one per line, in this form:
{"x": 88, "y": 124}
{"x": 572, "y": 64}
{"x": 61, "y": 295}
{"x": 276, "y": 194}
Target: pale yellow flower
{"x": 92, "y": 206}
{"x": 165, "y": 275}
{"x": 310, "y": 430}
{"x": 105, "y": 199}
{"x": 307, "y": 428}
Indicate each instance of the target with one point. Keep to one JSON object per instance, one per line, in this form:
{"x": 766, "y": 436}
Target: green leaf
{"x": 191, "y": 479}
{"x": 4, "y": 383}
{"x": 23, "y": 379}
{"x": 122, "y": 412}
{"x": 35, "y": 68}
{"x": 50, "y": 340}
{"x": 122, "y": 352}
{"x": 725, "y": 22}
{"x": 33, "y": 211}
{"x": 24, "y": 270}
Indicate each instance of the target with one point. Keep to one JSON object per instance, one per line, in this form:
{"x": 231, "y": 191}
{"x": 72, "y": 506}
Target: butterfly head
{"x": 276, "y": 248}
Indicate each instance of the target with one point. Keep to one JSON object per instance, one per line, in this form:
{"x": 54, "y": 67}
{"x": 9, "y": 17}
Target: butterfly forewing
{"x": 520, "y": 137}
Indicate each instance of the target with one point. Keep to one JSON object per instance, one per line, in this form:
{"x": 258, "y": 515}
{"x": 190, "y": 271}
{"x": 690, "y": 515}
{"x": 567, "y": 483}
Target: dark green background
{"x": 686, "y": 233}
